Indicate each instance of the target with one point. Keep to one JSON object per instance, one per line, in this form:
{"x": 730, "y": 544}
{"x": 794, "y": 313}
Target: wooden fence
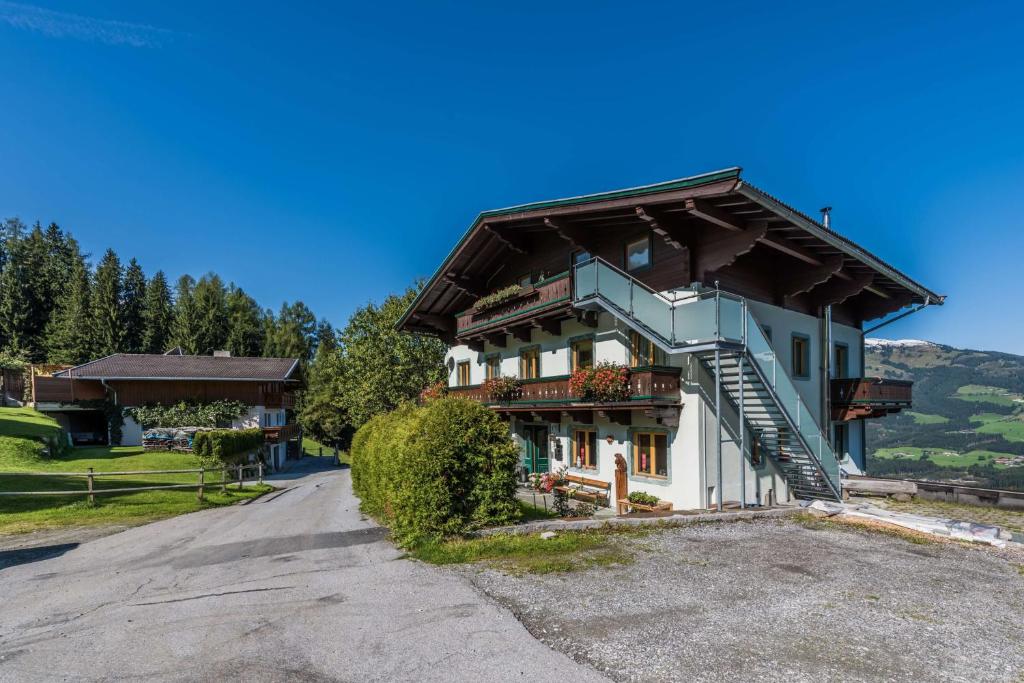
{"x": 91, "y": 476}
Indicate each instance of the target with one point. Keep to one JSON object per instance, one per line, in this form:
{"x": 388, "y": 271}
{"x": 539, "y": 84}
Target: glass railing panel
{"x": 652, "y": 311}
{"x": 586, "y": 280}
{"x": 761, "y": 349}
{"x": 695, "y": 322}
{"x": 613, "y": 286}
{"x": 730, "y": 318}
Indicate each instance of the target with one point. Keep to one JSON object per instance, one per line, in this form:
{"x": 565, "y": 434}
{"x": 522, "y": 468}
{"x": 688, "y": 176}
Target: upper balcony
{"x": 858, "y": 398}
{"x": 534, "y": 304}
{"x": 282, "y": 433}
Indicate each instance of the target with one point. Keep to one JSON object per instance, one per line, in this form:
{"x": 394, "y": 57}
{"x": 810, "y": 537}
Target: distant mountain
{"x": 968, "y": 414}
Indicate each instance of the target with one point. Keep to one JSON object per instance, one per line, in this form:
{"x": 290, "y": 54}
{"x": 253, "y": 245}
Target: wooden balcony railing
{"x": 64, "y": 390}
{"x": 649, "y": 386}
{"x": 533, "y": 300}
{"x": 866, "y": 397}
{"x": 281, "y": 433}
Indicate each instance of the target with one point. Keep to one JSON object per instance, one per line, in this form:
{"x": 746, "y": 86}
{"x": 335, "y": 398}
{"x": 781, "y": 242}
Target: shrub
{"x": 436, "y": 470}
{"x": 433, "y": 391}
{"x": 605, "y": 382}
{"x": 503, "y": 388}
{"x": 226, "y": 446}
{"x": 187, "y": 414}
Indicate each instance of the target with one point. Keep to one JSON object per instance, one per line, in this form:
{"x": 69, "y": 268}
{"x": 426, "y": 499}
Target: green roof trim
{"x": 678, "y": 184}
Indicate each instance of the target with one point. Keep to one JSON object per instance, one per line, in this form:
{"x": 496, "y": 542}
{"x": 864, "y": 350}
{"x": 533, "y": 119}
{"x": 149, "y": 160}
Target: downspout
{"x": 114, "y": 392}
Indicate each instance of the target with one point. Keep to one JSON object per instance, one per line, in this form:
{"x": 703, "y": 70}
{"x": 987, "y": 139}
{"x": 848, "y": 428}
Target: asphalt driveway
{"x": 294, "y": 586}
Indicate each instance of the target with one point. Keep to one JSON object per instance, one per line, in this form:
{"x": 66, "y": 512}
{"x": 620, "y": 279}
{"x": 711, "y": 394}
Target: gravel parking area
{"x": 780, "y": 599}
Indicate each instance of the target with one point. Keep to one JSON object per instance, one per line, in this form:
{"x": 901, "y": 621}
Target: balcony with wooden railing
{"x": 282, "y": 433}
{"x": 655, "y": 386}
{"x": 858, "y": 398}
{"x": 535, "y": 301}
{"x": 65, "y": 390}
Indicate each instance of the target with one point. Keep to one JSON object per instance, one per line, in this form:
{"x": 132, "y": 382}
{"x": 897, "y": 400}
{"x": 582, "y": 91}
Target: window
{"x": 526, "y": 280}
{"x": 842, "y": 361}
{"x": 650, "y": 454}
{"x": 801, "y": 356}
{"x": 840, "y": 440}
{"x": 529, "y": 363}
{"x": 584, "y": 449}
{"x": 642, "y": 352}
{"x": 463, "y": 373}
{"x": 580, "y": 256}
{"x": 638, "y": 254}
{"x": 493, "y": 368}
{"x": 582, "y": 352}
{"x": 755, "y": 452}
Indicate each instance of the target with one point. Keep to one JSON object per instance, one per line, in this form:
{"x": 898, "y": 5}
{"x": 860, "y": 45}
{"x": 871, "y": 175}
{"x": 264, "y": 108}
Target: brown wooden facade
{"x": 166, "y": 392}
{"x": 866, "y": 397}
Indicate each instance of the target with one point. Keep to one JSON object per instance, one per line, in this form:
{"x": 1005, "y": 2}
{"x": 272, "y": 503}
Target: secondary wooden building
{"x": 75, "y": 397}
{"x": 741, "y": 321}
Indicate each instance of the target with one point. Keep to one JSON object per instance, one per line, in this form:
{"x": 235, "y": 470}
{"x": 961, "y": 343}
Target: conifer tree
{"x": 25, "y": 301}
{"x": 211, "y": 314}
{"x": 108, "y": 305}
{"x": 157, "y": 315}
{"x": 69, "y": 332}
{"x": 134, "y": 300}
{"x": 245, "y": 331}
{"x": 185, "y": 330}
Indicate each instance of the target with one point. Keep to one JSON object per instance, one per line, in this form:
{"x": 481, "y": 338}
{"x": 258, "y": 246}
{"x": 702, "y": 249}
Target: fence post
{"x": 260, "y": 471}
{"x": 89, "y": 482}
{"x": 240, "y": 477}
{"x": 224, "y": 478}
{"x": 202, "y": 480}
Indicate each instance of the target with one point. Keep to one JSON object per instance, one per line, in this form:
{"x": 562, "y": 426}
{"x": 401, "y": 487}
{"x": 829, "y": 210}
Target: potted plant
{"x": 498, "y": 297}
{"x": 604, "y": 383}
{"x": 638, "y": 500}
{"x": 502, "y": 389}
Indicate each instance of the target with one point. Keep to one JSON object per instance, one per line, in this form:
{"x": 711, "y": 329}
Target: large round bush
{"x": 436, "y": 470}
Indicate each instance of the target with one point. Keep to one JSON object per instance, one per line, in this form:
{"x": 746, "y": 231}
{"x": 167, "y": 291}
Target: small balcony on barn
{"x": 282, "y": 433}
{"x": 516, "y": 311}
{"x": 654, "y": 390}
{"x": 859, "y": 398}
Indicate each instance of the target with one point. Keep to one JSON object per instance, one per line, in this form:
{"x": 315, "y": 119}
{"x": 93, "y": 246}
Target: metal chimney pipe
{"x": 826, "y": 217}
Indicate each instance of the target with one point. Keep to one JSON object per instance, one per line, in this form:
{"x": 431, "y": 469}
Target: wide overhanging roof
{"x": 141, "y": 366}
{"x": 719, "y": 198}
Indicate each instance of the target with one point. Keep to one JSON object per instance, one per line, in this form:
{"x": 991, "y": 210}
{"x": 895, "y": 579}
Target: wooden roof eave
{"x": 840, "y": 243}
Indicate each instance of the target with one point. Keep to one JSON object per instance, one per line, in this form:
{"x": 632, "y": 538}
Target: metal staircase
{"x": 721, "y": 332}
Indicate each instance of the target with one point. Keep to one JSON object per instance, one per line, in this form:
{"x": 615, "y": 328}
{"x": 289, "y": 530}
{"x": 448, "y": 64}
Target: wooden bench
{"x": 587, "y": 489}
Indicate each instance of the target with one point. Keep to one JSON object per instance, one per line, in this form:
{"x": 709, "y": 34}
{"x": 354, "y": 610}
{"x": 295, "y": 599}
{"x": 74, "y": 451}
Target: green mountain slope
{"x": 968, "y": 416}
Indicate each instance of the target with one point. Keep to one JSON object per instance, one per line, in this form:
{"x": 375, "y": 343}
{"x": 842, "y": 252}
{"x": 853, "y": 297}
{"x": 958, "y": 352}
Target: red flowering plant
{"x": 436, "y": 390}
{"x": 502, "y": 389}
{"x": 604, "y": 383}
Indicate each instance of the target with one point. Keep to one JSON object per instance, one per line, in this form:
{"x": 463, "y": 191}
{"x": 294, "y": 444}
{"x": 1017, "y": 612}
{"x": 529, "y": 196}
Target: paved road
{"x": 293, "y": 586}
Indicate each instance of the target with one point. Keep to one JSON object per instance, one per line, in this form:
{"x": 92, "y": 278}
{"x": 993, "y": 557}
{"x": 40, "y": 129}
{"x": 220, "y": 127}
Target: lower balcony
{"x": 281, "y": 433}
{"x": 654, "y": 390}
{"x": 859, "y": 398}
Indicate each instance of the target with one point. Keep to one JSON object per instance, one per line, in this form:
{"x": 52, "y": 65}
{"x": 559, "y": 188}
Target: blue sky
{"x": 335, "y": 153}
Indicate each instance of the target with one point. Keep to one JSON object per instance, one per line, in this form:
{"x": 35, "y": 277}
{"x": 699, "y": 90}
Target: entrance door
{"x": 536, "y": 439}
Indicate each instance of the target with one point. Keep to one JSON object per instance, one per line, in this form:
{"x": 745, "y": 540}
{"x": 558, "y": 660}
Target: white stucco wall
{"x": 693, "y": 465}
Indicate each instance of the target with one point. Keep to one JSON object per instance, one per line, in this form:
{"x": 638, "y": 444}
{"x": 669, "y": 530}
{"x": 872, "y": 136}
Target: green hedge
{"x": 436, "y": 470}
{"x": 226, "y": 445}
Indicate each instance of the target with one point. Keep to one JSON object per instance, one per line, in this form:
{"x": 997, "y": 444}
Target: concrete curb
{"x": 671, "y": 520}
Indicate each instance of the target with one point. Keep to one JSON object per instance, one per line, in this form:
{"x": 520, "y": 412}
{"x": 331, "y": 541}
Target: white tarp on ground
{"x": 950, "y": 528}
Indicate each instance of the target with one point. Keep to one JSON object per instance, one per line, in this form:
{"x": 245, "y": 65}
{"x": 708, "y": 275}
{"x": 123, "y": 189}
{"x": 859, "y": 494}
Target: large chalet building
{"x": 741, "y": 319}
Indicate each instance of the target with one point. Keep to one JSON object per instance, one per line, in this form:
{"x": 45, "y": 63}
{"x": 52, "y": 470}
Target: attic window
{"x": 638, "y": 254}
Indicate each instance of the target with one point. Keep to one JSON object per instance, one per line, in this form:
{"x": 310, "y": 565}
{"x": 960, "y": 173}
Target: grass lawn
{"x": 942, "y": 456}
{"x": 977, "y": 393}
{"x": 20, "y": 451}
{"x": 927, "y": 418}
{"x": 312, "y": 447}
{"x": 530, "y": 554}
{"x": 28, "y": 423}
{"x": 1010, "y": 427}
